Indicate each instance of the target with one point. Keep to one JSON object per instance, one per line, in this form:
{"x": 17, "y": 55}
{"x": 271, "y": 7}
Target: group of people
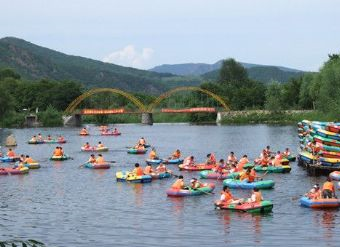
{"x": 88, "y": 146}
{"x": 40, "y": 138}
{"x": 96, "y": 160}
{"x": 106, "y": 130}
{"x": 269, "y": 158}
{"x": 180, "y": 185}
{"x": 327, "y": 191}
{"x": 228, "y": 198}
{"x": 154, "y": 156}
{"x": 148, "y": 170}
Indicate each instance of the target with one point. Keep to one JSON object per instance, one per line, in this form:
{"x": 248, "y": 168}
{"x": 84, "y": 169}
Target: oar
{"x": 261, "y": 178}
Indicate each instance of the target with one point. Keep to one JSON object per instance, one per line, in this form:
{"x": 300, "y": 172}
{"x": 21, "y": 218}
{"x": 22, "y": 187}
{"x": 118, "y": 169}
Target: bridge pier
{"x": 72, "y": 121}
{"x": 147, "y": 118}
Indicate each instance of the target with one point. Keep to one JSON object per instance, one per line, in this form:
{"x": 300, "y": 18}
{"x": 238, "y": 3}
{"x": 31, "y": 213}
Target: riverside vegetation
{"x": 316, "y": 91}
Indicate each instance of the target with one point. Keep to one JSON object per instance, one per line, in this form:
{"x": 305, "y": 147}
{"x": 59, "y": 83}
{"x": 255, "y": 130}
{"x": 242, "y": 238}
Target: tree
{"x": 232, "y": 73}
{"x": 274, "y": 97}
{"x": 8, "y": 73}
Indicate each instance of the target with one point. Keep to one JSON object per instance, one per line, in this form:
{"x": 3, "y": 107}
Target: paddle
{"x": 261, "y": 177}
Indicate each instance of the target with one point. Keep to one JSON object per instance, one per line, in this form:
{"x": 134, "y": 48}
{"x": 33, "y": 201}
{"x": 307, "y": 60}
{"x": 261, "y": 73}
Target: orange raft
{"x": 197, "y": 167}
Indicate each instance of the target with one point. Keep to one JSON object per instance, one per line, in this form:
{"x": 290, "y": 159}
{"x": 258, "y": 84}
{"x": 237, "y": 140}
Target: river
{"x": 64, "y": 205}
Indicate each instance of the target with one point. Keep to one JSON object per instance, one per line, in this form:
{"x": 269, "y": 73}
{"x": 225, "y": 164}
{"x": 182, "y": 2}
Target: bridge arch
{"x": 72, "y": 106}
{"x": 167, "y": 94}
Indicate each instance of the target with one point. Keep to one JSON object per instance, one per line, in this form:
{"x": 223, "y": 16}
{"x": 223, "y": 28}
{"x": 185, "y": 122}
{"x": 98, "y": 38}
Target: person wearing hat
{"x": 195, "y": 184}
{"x": 314, "y": 193}
{"x": 179, "y": 184}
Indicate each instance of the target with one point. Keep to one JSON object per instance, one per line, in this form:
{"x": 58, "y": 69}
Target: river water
{"x": 63, "y": 205}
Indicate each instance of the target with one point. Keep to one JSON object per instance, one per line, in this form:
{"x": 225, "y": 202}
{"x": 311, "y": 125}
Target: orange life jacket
{"x": 152, "y": 155}
{"x": 100, "y": 145}
{"x": 258, "y": 196}
{"x": 176, "y": 155}
{"x": 92, "y": 160}
{"x": 29, "y": 160}
{"x": 179, "y": 184}
{"x": 148, "y": 170}
{"x": 57, "y": 152}
{"x": 328, "y": 186}
{"x": 138, "y": 171}
{"x": 11, "y": 154}
{"x": 100, "y": 160}
{"x": 244, "y": 176}
{"x": 227, "y": 196}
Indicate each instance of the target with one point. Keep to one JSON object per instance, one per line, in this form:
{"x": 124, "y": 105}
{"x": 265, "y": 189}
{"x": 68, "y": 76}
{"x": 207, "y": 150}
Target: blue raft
{"x": 237, "y": 184}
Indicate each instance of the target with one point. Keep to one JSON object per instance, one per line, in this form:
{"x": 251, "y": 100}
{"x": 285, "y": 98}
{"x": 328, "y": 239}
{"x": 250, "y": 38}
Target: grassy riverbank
{"x": 284, "y": 117}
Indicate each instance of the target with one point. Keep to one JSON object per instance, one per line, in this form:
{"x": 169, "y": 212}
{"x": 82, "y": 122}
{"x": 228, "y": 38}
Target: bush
{"x": 50, "y": 117}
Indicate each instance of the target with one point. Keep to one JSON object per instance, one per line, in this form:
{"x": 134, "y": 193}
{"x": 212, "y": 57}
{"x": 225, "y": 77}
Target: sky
{"x": 144, "y": 33}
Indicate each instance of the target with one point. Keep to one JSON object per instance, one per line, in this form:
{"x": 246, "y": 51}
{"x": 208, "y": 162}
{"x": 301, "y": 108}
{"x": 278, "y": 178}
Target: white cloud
{"x": 129, "y": 56}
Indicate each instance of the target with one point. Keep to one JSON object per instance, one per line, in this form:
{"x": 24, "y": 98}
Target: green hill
{"x": 34, "y": 62}
{"x": 265, "y": 74}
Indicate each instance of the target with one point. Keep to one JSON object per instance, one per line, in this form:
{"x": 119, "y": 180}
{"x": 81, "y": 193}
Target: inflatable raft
{"x": 110, "y": 134}
{"x": 173, "y": 161}
{"x": 237, "y": 184}
{"x": 136, "y": 151}
{"x": 153, "y": 162}
{"x": 328, "y": 154}
{"x": 14, "y": 171}
{"x": 160, "y": 175}
{"x": 97, "y": 166}
{"x": 83, "y": 134}
{"x": 333, "y": 128}
{"x": 273, "y": 169}
{"x": 320, "y": 203}
{"x": 328, "y": 134}
{"x": 129, "y": 177}
{"x": 326, "y": 141}
{"x": 329, "y": 162}
{"x": 205, "y": 189}
{"x": 249, "y": 207}
{"x": 54, "y": 141}
{"x": 335, "y": 175}
{"x": 216, "y": 175}
{"x": 291, "y": 157}
{"x": 59, "y": 158}
{"x": 94, "y": 149}
{"x": 35, "y": 142}
{"x": 34, "y": 165}
{"x": 307, "y": 157}
{"x": 9, "y": 159}
{"x": 198, "y": 167}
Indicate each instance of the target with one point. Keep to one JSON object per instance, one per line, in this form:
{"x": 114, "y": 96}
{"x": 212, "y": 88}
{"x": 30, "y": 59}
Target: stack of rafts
{"x": 320, "y": 146}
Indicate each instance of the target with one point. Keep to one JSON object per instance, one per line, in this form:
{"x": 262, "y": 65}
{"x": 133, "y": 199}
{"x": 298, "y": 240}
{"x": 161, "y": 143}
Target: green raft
{"x": 273, "y": 169}
{"x": 59, "y": 158}
{"x": 249, "y": 207}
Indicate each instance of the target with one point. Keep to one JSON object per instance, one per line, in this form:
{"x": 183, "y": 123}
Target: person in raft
{"x": 11, "y": 153}
{"x": 153, "y": 155}
{"x": 231, "y": 159}
{"x": 140, "y": 147}
{"x": 22, "y": 158}
{"x": 141, "y": 141}
{"x": 328, "y": 190}
{"x": 176, "y": 155}
{"x": 211, "y": 160}
{"x": 249, "y": 175}
{"x": 61, "y": 138}
{"x": 86, "y": 145}
{"x": 179, "y": 184}
{"x": 84, "y": 131}
{"x": 314, "y": 193}
{"x": 115, "y": 131}
{"x": 62, "y": 151}
{"x": 220, "y": 167}
{"x": 161, "y": 168}
{"x": 242, "y": 162}
{"x": 189, "y": 161}
{"x": 100, "y": 159}
{"x": 195, "y": 184}
{"x": 28, "y": 160}
{"x": 100, "y": 145}
{"x": 40, "y": 138}
{"x": 267, "y": 151}
{"x": 286, "y": 153}
{"x": 49, "y": 137}
{"x": 227, "y": 197}
{"x": 256, "y": 196}
{"x": 148, "y": 170}
{"x": 138, "y": 171}
{"x": 33, "y": 139}
{"x": 57, "y": 152}
{"x": 92, "y": 159}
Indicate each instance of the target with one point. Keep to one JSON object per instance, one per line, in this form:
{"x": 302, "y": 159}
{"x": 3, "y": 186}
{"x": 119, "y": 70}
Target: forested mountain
{"x": 34, "y": 62}
{"x": 263, "y": 73}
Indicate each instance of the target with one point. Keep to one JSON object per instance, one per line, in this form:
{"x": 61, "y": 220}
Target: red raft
{"x": 333, "y": 128}
{"x": 197, "y": 167}
{"x": 111, "y": 133}
{"x": 14, "y": 171}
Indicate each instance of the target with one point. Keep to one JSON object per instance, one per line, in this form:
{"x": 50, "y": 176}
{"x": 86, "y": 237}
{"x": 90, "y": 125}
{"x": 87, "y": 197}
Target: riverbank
{"x": 269, "y": 117}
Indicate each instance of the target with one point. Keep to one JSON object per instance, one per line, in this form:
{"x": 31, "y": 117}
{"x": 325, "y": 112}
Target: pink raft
{"x": 13, "y": 171}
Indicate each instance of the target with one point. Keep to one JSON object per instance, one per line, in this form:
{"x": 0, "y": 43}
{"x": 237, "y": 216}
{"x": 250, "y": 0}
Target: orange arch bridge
{"x": 146, "y": 111}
